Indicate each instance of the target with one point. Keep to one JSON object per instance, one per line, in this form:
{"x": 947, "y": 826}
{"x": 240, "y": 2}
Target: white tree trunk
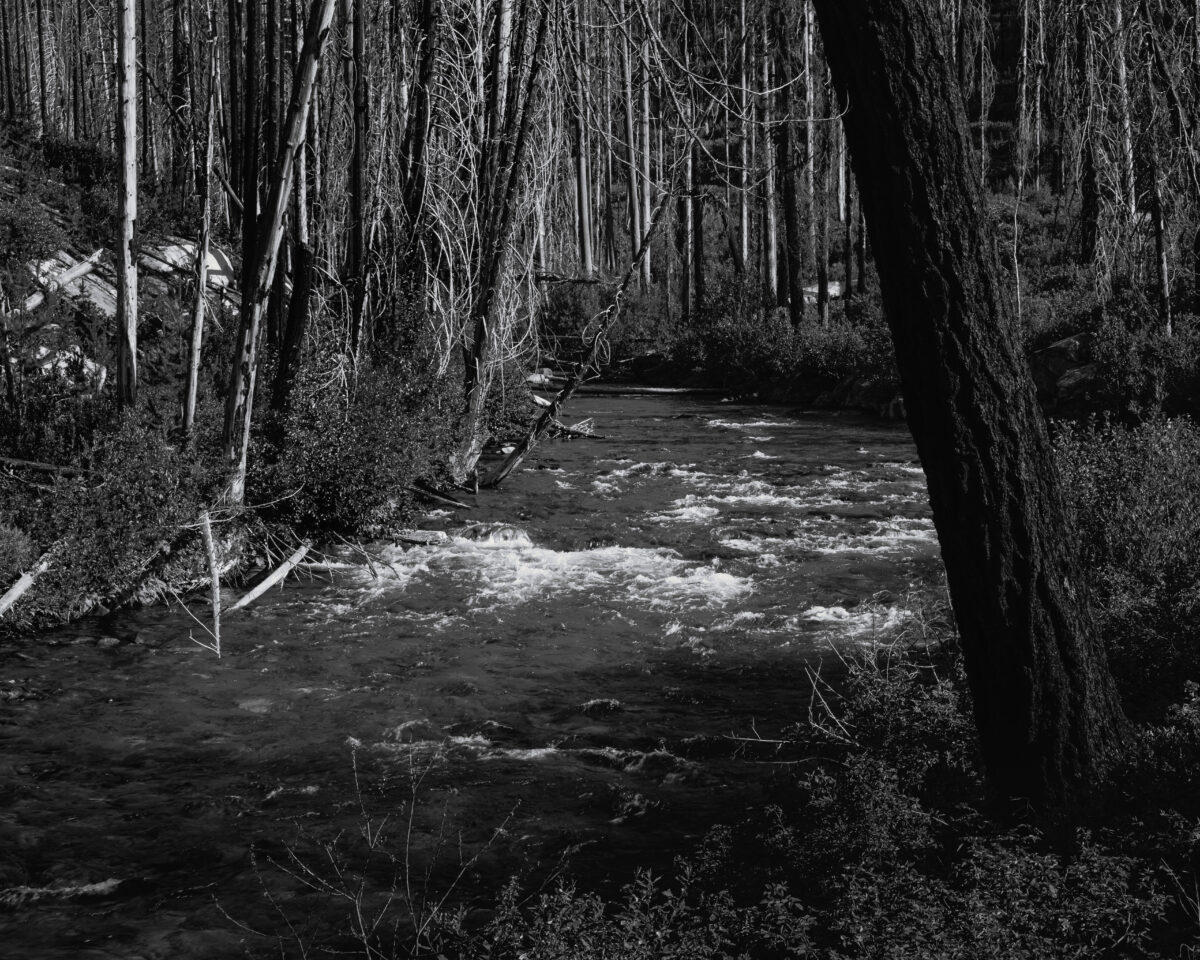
{"x": 127, "y": 305}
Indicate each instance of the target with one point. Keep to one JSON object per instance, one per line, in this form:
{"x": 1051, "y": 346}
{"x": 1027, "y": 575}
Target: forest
{"x": 288, "y": 289}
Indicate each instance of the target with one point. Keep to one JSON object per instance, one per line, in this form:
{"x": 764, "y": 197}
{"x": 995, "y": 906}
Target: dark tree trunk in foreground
{"x": 1048, "y": 715}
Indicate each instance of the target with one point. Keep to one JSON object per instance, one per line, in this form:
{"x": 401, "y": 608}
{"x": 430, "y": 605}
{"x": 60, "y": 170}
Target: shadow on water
{"x": 583, "y": 662}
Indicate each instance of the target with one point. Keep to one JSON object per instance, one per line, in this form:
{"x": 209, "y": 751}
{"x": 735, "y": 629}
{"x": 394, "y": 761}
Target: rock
{"x": 107, "y": 643}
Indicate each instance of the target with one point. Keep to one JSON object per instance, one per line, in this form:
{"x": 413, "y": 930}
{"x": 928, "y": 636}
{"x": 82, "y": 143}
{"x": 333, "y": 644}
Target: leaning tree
{"x": 1045, "y": 704}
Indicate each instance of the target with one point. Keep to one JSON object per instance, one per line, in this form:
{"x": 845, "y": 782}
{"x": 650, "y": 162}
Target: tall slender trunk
{"x": 848, "y": 240}
{"x": 645, "y": 270}
{"x": 1161, "y": 243}
{"x": 746, "y": 126}
{"x": 770, "y": 247}
{"x": 1089, "y": 178}
{"x": 250, "y": 161}
{"x": 180, "y": 97}
{"x": 632, "y": 164}
{"x": 10, "y": 75}
{"x": 127, "y": 284}
{"x": 792, "y": 288}
{"x": 1124, "y": 115}
{"x": 239, "y": 408}
{"x": 358, "y": 161}
{"x": 810, "y": 132}
{"x": 583, "y": 173}
{"x": 202, "y": 247}
{"x": 235, "y": 20}
{"x": 824, "y": 157}
{"x": 43, "y": 92}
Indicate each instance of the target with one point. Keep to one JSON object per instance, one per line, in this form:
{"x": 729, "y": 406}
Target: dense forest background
{"x": 391, "y": 212}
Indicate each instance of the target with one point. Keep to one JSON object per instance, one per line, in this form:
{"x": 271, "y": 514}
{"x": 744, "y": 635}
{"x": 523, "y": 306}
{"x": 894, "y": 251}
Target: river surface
{"x": 578, "y": 673}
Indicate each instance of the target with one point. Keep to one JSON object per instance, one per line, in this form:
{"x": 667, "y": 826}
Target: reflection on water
{"x": 574, "y": 656}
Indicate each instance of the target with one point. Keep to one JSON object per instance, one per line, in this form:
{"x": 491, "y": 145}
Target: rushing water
{"x": 576, "y": 663}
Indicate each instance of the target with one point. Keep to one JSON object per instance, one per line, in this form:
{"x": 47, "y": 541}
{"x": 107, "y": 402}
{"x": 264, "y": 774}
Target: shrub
{"x": 16, "y": 553}
{"x": 1133, "y": 497}
{"x": 353, "y": 443}
{"x": 108, "y": 523}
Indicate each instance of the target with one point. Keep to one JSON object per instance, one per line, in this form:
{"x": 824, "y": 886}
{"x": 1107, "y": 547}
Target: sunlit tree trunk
{"x": 43, "y": 92}
{"x": 770, "y": 246}
{"x": 127, "y": 284}
{"x": 644, "y": 271}
{"x": 632, "y": 164}
{"x": 1124, "y": 116}
{"x": 581, "y": 150}
{"x": 202, "y": 247}
{"x": 356, "y": 258}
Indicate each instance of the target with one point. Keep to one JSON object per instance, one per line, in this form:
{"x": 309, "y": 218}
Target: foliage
{"x": 134, "y": 494}
{"x": 1133, "y": 495}
{"x": 351, "y": 443}
{"x": 16, "y": 553}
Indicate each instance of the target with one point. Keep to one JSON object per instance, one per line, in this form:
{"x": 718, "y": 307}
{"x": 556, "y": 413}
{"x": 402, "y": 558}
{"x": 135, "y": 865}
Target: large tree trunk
{"x": 1048, "y": 715}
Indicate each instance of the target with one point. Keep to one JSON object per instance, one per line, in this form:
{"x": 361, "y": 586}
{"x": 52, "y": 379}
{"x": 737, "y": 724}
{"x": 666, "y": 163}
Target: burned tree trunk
{"x": 1048, "y": 715}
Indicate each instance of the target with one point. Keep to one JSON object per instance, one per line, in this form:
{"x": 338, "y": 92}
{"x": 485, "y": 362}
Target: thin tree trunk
{"x": 746, "y": 126}
{"x": 632, "y": 163}
{"x": 647, "y": 184}
{"x": 1161, "y": 244}
{"x": 43, "y": 93}
{"x": 770, "y": 247}
{"x": 583, "y": 174}
{"x": 358, "y": 162}
{"x": 239, "y": 409}
{"x": 202, "y": 246}
{"x": 127, "y": 283}
{"x": 1045, "y": 705}
{"x": 1124, "y": 115}
{"x": 10, "y": 75}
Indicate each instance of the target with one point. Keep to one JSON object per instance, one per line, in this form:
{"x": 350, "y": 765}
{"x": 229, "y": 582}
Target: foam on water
{"x": 855, "y": 622}
{"x": 510, "y": 572}
{"x": 754, "y": 424}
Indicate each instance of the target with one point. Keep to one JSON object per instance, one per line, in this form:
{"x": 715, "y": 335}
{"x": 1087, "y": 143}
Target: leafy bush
{"x": 1133, "y": 495}
{"x": 353, "y": 443}
{"x": 108, "y": 523}
{"x": 16, "y": 553}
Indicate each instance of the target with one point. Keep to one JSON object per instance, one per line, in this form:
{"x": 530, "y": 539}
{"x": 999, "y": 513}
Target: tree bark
{"x": 1046, "y": 707}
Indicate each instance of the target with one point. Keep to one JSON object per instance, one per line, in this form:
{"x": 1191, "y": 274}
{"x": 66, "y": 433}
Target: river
{"x": 572, "y": 676}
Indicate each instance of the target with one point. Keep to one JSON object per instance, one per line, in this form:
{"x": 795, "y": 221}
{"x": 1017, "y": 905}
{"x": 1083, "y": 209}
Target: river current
{"x": 572, "y": 675}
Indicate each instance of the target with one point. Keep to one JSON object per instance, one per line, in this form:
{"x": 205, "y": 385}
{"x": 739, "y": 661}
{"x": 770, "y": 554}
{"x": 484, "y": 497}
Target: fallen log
{"x": 81, "y": 269}
{"x": 437, "y": 497}
{"x": 40, "y": 467}
{"x": 270, "y": 580}
{"x": 24, "y": 582}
